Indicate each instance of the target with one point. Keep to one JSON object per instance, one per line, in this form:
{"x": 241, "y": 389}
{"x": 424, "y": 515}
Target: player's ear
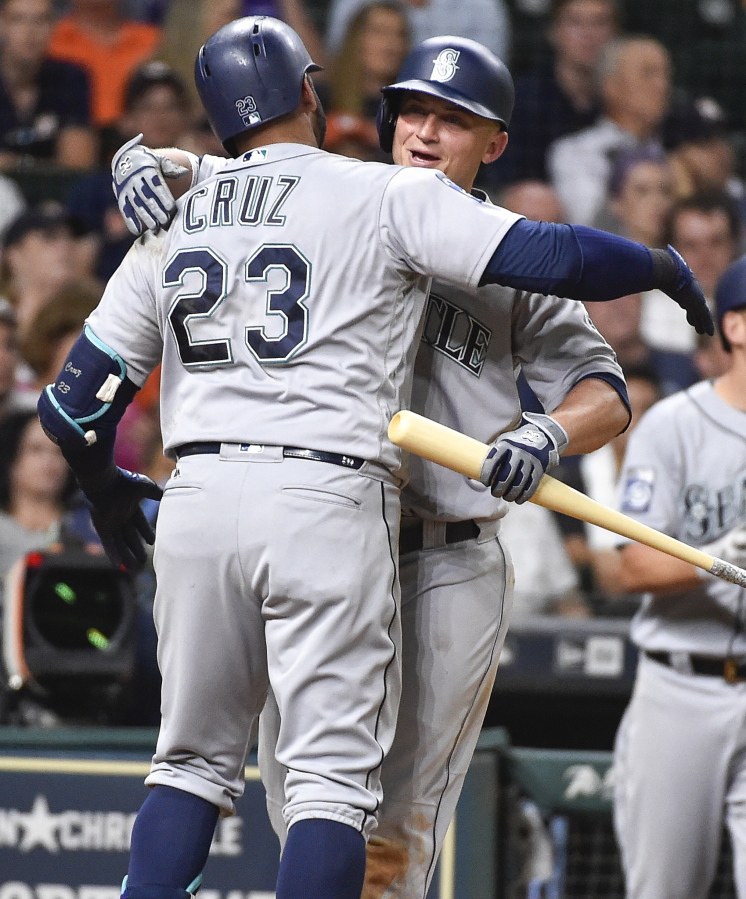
{"x": 496, "y": 146}
{"x": 308, "y": 96}
{"x": 734, "y": 327}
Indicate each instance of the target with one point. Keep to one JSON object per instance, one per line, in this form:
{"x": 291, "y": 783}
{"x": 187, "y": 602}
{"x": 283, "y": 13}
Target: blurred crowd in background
{"x": 626, "y": 118}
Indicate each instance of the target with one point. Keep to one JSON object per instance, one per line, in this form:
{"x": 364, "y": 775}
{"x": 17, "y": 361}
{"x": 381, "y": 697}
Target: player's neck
{"x": 296, "y": 130}
{"x": 731, "y": 387}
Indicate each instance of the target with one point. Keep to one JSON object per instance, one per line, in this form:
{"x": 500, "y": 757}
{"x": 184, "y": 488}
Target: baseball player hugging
{"x": 283, "y": 358}
{"x": 680, "y": 757}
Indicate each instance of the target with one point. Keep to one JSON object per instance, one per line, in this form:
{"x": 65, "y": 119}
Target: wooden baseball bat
{"x": 463, "y": 454}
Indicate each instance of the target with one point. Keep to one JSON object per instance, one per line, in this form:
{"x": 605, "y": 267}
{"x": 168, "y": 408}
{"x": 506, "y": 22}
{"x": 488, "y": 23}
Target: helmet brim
{"x": 436, "y": 89}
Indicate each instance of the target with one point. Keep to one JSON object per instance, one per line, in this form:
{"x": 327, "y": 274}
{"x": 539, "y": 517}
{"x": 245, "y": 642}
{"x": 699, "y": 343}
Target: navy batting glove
{"x": 115, "y": 496}
{"x": 519, "y": 459}
{"x": 681, "y": 285}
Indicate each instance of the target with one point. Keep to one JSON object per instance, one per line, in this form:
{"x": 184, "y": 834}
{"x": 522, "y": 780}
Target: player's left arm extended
{"x": 591, "y": 265}
{"x": 80, "y": 412}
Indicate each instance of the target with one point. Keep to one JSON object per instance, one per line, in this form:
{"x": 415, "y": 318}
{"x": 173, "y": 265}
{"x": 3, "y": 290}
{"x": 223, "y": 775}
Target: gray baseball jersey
{"x": 684, "y": 475}
{"x": 456, "y": 598}
{"x": 275, "y": 337}
{"x": 679, "y": 752}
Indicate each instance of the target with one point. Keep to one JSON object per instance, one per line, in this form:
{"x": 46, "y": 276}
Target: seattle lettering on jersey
{"x": 458, "y": 335}
{"x": 708, "y": 513}
{"x": 218, "y": 203}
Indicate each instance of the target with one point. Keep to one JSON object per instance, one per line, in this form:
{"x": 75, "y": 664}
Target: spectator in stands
{"x": 352, "y": 135}
{"x": 622, "y": 326}
{"x": 188, "y": 23}
{"x": 703, "y": 155}
{"x": 12, "y": 399}
{"x": 109, "y": 47}
{"x": 640, "y": 196}
{"x": 44, "y": 103}
{"x": 156, "y": 105}
{"x": 53, "y": 331}
{"x": 706, "y": 230}
{"x": 40, "y": 257}
{"x": 534, "y": 199}
{"x": 35, "y": 483}
{"x": 486, "y": 21}
{"x": 374, "y": 47}
{"x": 560, "y": 97}
{"x": 635, "y": 82}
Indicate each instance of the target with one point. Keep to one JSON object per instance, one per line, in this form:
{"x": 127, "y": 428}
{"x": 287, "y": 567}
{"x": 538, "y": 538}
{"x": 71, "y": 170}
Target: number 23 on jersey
{"x": 285, "y": 305}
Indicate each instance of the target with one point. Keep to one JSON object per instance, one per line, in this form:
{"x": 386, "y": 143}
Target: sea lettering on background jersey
{"x": 708, "y": 513}
{"x": 456, "y": 334}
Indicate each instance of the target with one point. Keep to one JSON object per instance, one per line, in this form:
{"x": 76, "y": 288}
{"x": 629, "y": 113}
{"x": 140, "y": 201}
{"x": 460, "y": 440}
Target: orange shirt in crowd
{"x": 109, "y": 66}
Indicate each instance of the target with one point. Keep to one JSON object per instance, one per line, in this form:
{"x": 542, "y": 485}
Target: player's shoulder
{"x": 150, "y": 248}
{"x": 409, "y": 178}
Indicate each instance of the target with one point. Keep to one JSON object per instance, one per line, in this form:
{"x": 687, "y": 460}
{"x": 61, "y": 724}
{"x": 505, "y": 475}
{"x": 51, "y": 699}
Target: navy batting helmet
{"x": 455, "y": 69}
{"x": 250, "y": 72}
{"x": 731, "y": 290}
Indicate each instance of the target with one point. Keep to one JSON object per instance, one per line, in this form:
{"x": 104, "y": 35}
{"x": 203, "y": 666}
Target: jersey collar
{"x": 275, "y": 152}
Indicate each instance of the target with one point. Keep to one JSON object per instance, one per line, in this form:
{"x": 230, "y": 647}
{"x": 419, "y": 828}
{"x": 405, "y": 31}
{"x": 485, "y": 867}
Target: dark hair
{"x": 12, "y": 429}
{"x": 154, "y": 74}
{"x": 624, "y": 161}
{"x": 706, "y": 203}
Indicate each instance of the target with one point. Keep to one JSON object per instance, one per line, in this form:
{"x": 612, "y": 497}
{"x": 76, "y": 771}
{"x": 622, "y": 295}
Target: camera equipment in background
{"x": 68, "y": 637}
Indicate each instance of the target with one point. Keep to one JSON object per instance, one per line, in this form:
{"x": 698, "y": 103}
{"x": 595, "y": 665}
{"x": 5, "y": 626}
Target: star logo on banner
{"x": 39, "y": 826}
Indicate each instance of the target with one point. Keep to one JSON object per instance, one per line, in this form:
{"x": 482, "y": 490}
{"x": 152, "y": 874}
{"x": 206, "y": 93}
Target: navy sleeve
{"x": 619, "y": 385}
{"x": 570, "y": 261}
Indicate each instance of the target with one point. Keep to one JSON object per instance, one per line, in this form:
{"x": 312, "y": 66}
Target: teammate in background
{"x": 593, "y": 393}
{"x": 679, "y": 759}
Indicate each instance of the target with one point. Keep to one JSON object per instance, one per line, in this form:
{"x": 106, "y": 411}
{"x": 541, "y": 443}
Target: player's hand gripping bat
{"x": 458, "y": 452}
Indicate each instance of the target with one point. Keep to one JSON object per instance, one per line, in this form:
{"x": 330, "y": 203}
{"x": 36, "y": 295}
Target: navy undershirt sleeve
{"x": 569, "y": 261}
{"x": 619, "y": 385}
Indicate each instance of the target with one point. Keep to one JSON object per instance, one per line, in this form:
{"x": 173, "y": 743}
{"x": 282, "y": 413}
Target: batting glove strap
{"x": 138, "y": 179}
{"x": 518, "y": 460}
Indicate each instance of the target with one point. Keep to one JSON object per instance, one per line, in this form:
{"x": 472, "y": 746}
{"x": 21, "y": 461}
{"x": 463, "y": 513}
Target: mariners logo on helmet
{"x": 246, "y": 108}
{"x": 445, "y": 67}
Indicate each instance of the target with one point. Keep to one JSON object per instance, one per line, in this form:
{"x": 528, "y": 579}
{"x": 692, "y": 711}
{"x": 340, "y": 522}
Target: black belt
{"x": 411, "y": 536}
{"x": 288, "y": 452}
{"x": 728, "y": 669}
